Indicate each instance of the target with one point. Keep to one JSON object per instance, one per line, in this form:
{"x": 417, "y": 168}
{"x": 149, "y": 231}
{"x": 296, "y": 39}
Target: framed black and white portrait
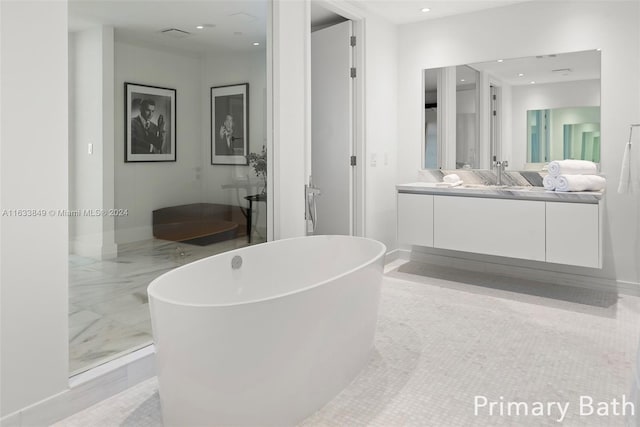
{"x": 150, "y": 118}
{"x": 230, "y": 124}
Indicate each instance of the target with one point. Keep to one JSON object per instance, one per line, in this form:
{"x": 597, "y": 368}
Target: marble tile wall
{"x": 484, "y": 177}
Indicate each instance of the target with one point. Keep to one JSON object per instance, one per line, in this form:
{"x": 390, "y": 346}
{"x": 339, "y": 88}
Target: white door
{"x": 331, "y": 128}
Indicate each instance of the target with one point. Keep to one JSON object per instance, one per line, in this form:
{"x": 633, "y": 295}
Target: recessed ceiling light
{"x": 256, "y": 44}
{"x": 532, "y": 82}
{"x": 598, "y": 49}
{"x": 461, "y": 80}
{"x": 425, "y": 9}
{"x": 520, "y": 74}
{"x": 500, "y": 60}
{"x": 200, "y": 27}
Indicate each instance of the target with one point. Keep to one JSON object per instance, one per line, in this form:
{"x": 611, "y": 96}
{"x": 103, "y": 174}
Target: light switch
{"x": 90, "y": 148}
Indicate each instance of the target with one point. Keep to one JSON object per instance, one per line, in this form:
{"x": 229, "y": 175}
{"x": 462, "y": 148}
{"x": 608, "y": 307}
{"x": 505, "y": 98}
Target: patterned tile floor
{"x": 108, "y": 304}
{"x": 447, "y": 339}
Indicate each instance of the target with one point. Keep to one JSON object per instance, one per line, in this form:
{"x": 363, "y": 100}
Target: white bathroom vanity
{"x": 517, "y": 222}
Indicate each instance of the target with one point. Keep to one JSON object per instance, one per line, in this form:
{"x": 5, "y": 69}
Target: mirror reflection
{"x": 563, "y": 133}
{"x": 467, "y": 141}
{"x": 528, "y": 111}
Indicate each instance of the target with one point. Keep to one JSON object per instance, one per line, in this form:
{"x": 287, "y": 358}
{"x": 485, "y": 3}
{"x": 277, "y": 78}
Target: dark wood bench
{"x": 199, "y": 223}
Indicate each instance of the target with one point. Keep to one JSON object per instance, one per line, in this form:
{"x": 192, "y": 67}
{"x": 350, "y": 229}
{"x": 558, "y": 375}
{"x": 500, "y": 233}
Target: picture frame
{"x": 150, "y": 123}
{"x": 230, "y": 124}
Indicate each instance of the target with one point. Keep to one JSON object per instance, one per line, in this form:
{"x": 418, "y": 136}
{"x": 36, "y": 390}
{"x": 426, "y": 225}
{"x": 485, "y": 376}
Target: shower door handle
{"x": 311, "y": 211}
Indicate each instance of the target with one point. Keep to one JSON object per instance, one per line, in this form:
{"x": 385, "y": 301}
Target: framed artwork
{"x": 150, "y": 123}
{"x": 230, "y": 124}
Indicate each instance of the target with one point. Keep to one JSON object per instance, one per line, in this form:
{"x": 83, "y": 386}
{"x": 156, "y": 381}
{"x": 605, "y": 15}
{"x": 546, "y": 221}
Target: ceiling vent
{"x": 562, "y": 71}
{"x": 242, "y": 17}
{"x": 175, "y": 33}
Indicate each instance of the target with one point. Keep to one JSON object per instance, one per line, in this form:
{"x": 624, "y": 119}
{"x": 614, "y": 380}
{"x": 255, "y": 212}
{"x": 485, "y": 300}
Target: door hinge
{"x": 353, "y": 72}
{"x": 494, "y": 113}
{"x": 494, "y": 97}
{"x": 353, "y": 160}
{"x": 352, "y": 41}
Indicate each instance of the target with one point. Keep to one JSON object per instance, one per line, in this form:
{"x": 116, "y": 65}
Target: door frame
{"x": 358, "y": 224}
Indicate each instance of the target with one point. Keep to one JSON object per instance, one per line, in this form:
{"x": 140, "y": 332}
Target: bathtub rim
{"x": 150, "y": 294}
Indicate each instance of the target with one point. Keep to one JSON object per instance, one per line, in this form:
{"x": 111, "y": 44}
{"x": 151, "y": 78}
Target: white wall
{"x": 225, "y": 69}
{"x": 290, "y": 115}
{"x": 381, "y": 132}
{"x": 581, "y": 93}
{"x": 514, "y": 31}
{"x": 91, "y": 108}
{"x": 34, "y": 164}
{"x": 142, "y": 187}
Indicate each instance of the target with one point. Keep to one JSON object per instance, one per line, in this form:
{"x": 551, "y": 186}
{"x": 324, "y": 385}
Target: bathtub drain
{"x": 236, "y": 262}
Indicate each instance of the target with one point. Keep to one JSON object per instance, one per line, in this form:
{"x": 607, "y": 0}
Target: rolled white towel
{"x": 549, "y": 182}
{"x": 580, "y": 183}
{"x": 451, "y": 178}
{"x": 572, "y": 167}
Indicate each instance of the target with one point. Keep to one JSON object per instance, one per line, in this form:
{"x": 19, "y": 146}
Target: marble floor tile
{"x": 441, "y": 342}
{"x": 102, "y": 340}
{"x": 131, "y": 315}
{"x": 136, "y": 298}
{"x": 108, "y": 303}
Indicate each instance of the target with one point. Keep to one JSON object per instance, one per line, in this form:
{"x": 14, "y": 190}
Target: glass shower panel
{"x": 157, "y": 211}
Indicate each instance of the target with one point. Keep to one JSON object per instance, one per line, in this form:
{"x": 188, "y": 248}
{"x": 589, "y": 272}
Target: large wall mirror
{"x": 529, "y": 111}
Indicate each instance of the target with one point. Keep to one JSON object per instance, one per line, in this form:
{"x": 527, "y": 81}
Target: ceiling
{"x": 227, "y": 25}
{"x": 235, "y": 24}
{"x": 553, "y": 68}
{"x": 322, "y": 17}
{"x": 408, "y": 11}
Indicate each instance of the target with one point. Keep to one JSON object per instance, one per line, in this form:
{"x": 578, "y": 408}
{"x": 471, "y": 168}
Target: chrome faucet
{"x": 500, "y": 165}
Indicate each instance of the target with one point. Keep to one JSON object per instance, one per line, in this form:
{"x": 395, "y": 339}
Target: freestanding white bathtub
{"x": 268, "y": 342}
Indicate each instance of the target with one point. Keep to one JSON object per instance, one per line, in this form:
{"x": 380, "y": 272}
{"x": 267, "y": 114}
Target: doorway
{"x": 335, "y": 135}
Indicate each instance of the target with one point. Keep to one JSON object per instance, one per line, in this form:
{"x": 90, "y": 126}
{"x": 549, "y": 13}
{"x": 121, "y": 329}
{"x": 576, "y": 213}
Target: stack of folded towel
{"x": 451, "y": 180}
{"x": 573, "y": 175}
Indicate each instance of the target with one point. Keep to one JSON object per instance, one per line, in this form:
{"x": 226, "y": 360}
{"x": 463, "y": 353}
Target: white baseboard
{"x": 397, "y": 254}
{"x": 628, "y": 288}
{"x": 87, "y": 389}
{"x": 134, "y": 234}
{"x": 501, "y": 269}
{"x": 95, "y": 250}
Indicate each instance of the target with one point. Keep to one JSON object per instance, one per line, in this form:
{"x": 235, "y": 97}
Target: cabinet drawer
{"x": 510, "y": 228}
{"x": 573, "y": 235}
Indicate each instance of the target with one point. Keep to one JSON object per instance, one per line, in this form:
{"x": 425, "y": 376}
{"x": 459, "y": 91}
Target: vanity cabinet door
{"x": 415, "y": 219}
{"x": 510, "y": 228}
{"x": 573, "y": 234}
